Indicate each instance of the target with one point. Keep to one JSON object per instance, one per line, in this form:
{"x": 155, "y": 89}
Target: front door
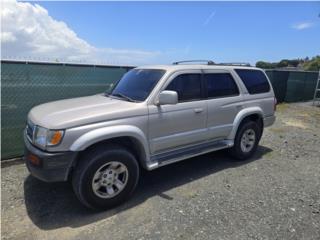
{"x": 182, "y": 124}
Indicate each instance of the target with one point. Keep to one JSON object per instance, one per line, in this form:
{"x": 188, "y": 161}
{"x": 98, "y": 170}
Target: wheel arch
{"x": 253, "y": 113}
{"x": 130, "y": 137}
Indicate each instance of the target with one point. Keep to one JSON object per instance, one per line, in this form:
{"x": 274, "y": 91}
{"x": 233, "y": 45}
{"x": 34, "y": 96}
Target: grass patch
{"x": 282, "y": 107}
{"x": 278, "y": 130}
{"x": 295, "y": 123}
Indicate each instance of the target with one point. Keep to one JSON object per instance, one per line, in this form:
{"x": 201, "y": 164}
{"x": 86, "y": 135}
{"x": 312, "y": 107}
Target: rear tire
{"x": 105, "y": 177}
{"x": 246, "y": 140}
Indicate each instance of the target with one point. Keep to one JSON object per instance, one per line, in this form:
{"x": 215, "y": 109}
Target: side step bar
{"x": 163, "y": 159}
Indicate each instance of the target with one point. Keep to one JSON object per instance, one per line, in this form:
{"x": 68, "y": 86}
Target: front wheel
{"x": 246, "y": 140}
{"x": 105, "y": 177}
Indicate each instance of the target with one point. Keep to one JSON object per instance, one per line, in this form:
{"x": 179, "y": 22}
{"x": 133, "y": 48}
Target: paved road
{"x": 274, "y": 195}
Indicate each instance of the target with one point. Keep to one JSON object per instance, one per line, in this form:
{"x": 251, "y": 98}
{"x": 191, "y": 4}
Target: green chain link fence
{"x": 301, "y": 86}
{"x": 293, "y": 86}
{"x": 27, "y": 84}
{"x": 279, "y": 81}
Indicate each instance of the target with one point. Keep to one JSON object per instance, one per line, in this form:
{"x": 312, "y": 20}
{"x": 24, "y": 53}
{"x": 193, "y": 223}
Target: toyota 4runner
{"x": 153, "y": 116}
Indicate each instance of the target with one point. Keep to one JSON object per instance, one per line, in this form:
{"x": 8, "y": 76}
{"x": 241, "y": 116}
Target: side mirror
{"x": 167, "y": 97}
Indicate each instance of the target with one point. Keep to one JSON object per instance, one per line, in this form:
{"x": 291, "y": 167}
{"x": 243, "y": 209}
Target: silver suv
{"x": 153, "y": 116}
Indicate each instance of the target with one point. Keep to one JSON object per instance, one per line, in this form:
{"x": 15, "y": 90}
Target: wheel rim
{"x": 110, "y": 179}
{"x": 248, "y": 140}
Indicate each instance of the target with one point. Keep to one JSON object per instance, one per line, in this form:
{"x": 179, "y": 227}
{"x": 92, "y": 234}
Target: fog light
{"x": 34, "y": 159}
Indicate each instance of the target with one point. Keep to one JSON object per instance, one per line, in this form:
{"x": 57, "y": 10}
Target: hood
{"x": 83, "y": 110}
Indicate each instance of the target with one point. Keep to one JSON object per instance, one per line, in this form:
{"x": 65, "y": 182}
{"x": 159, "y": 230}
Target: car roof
{"x": 176, "y": 67}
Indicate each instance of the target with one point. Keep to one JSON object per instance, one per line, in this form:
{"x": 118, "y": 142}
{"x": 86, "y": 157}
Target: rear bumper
{"x": 51, "y": 167}
{"x": 268, "y": 121}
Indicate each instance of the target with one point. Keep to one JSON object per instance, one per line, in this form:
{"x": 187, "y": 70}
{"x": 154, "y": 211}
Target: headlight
{"x": 44, "y": 137}
{"x": 40, "y": 136}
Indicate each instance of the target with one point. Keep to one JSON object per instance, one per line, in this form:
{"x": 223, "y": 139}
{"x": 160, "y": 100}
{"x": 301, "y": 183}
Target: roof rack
{"x": 235, "y": 64}
{"x": 209, "y": 62}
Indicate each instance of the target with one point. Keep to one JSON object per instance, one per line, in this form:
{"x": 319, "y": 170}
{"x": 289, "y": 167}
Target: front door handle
{"x": 198, "y": 110}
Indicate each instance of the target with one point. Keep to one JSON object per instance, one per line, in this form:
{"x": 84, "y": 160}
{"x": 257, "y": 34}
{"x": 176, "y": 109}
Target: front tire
{"x": 105, "y": 177}
{"x": 246, "y": 140}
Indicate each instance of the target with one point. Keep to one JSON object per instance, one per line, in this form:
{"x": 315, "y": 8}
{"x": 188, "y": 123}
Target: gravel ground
{"x": 274, "y": 195}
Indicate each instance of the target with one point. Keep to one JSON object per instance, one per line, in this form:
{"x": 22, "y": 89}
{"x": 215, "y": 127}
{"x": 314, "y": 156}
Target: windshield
{"x": 136, "y": 84}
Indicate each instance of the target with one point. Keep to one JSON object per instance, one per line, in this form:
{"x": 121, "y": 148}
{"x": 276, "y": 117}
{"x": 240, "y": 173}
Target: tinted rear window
{"x": 220, "y": 85}
{"x": 254, "y": 80}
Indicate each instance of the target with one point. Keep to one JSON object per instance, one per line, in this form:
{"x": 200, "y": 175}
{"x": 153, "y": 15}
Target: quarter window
{"x": 220, "y": 85}
{"x": 254, "y": 80}
{"x": 188, "y": 87}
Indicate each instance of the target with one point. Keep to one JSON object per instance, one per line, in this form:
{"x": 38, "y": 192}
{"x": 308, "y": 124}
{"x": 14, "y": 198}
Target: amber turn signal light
{"x": 34, "y": 159}
{"x": 56, "y": 137}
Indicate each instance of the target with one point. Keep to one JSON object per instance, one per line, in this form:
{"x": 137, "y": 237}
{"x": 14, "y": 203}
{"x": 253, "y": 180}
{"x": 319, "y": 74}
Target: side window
{"x": 188, "y": 87}
{"x": 220, "y": 85}
{"x": 254, "y": 80}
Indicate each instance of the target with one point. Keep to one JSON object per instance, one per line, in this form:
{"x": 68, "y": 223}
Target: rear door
{"x": 224, "y": 102}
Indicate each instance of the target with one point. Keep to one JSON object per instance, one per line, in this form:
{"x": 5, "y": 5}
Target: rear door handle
{"x": 198, "y": 110}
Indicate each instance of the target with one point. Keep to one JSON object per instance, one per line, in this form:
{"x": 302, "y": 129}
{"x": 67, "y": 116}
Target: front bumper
{"x": 51, "y": 167}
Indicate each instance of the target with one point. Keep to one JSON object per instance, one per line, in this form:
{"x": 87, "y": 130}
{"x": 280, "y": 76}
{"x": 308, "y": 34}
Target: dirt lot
{"x": 275, "y": 195}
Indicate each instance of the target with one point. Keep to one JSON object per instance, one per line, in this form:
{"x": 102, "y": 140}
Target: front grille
{"x": 30, "y": 130}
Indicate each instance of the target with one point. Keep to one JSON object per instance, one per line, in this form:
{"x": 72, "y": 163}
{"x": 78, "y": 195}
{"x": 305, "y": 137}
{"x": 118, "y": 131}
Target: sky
{"x": 139, "y": 33}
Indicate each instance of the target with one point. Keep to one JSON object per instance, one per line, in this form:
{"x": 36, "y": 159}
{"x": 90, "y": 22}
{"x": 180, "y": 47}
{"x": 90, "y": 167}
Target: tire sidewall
{"x": 96, "y": 162}
{"x": 237, "y": 145}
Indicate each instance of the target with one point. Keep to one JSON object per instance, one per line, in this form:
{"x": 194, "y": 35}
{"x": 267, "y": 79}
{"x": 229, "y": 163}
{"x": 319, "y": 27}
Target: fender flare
{"x": 240, "y": 116}
{"x": 105, "y": 133}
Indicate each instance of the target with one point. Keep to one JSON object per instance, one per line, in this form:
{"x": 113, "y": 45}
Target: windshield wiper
{"x": 123, "y": 97}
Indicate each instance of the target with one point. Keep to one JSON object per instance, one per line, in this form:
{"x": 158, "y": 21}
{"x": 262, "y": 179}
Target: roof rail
{"x": 235, "y": 64}
{"x": 209, "y": 62}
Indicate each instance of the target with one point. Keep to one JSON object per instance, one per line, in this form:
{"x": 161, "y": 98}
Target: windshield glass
{"x": 136, "y": 84}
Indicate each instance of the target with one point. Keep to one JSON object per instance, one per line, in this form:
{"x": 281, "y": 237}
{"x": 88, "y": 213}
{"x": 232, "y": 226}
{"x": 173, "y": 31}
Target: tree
{"x": 264, "y": 65}
{"x": 313, "y": 64}
{"x": 294, "y": 62}
{"x": 308, "y": 64}
{"x": 283, "y": 63}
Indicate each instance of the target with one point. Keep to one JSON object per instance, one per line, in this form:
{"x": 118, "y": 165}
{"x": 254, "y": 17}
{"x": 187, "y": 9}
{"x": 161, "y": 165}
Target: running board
{"x": 163, "y": 159}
